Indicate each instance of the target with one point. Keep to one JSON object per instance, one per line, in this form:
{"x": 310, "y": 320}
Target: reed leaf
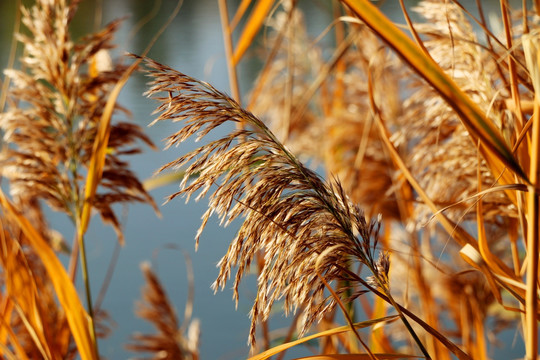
{"x": 97, "y": 159}
{"x": 242, "y": 8}
{"x": 253, "y": 25}
{"x": 342, "y": 329}
{"x": 77, "y": 317}
{"x": 8, "y": 335}
{"x": 21, "y": 286}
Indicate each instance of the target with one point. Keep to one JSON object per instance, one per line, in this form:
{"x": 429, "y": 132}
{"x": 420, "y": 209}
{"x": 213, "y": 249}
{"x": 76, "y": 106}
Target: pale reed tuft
{"x": 442, "y": 155}
{"x": 55, "y": 106}
{"x": 170, "y": 342}
{"x": 289, "y": 213}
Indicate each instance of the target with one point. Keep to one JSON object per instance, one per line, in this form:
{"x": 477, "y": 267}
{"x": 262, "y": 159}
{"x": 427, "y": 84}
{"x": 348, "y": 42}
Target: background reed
{"x": 428, "y": 216}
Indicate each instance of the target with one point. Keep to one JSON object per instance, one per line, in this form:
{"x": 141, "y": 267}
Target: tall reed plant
{"x": 62, "y": 150}
{"x": 421, "y": 219}
{"x": 433, "y": 125}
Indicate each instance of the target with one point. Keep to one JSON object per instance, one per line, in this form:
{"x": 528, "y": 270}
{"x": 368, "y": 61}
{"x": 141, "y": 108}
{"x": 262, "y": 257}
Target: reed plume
{"x": 170, "y": 342}
{"x": 56, "y": 103}
{"x": 55, "y": 106}
{"x": 439, "y": 145}
{"x": 303, "y": 225}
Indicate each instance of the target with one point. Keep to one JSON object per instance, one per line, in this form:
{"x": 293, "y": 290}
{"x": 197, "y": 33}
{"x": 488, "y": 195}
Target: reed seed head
{"x": 289, "y": 214}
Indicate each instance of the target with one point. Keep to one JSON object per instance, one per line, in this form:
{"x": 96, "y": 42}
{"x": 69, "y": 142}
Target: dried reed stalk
{"x": 54, "y": 109}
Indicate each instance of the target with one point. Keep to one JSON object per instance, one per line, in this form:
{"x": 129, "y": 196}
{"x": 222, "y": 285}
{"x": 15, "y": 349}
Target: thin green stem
{"x": 86, "y": 281}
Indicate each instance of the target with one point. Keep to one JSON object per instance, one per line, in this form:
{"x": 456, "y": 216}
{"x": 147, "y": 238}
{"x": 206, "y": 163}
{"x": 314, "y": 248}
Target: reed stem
{"x": 87, "y": 289}
{"x": 531, "y": 304}
{"x": 227, "y": 40}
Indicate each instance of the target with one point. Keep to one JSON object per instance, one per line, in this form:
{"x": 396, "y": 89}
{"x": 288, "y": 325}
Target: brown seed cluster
{"x": 55, "y": 105}
{"x": 288, "y": 213}
{"x": 170, "y": 342}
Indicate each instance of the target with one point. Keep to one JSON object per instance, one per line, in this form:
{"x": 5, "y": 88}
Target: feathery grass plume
{"x": 443, "y": 158}
{"x": 169, "y": 342}
{"x": 55, "y": 105}
{"x": 287, "y": 210}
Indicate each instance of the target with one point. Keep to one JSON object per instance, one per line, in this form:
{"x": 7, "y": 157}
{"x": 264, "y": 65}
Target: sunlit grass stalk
{"x": 87, "y": 290}
{"x": 227, "y": 39}
{"x": 533, "y": 213}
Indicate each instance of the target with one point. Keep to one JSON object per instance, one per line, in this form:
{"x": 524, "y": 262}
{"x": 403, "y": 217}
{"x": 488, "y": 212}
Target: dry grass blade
{"x": 239, "y": 13}
{"x": 532, "y": 53}
{"x": 8, "y": 334}
{"x": 533, "y": 233}
{"x": 97, "y": 160}
{"x": 253, "y": 25}
{"x": 67, "y": 295}
{"x": 277, "y": 349}
{"x": 24, "y": 291}
{"x": 8, "y": 354}
{"x": 163, "y": 180}
{"x": 288, "y": 211}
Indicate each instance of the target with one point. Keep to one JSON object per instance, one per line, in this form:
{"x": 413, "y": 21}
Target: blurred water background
{"x": 192, "y": 44}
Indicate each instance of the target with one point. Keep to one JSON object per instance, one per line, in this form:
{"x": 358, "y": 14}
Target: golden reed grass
{"x": 54, "y": 107}
{"x": 430, "y": 211}
{"x": 436, "y": 154}
{"x": 288, "y": 211}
